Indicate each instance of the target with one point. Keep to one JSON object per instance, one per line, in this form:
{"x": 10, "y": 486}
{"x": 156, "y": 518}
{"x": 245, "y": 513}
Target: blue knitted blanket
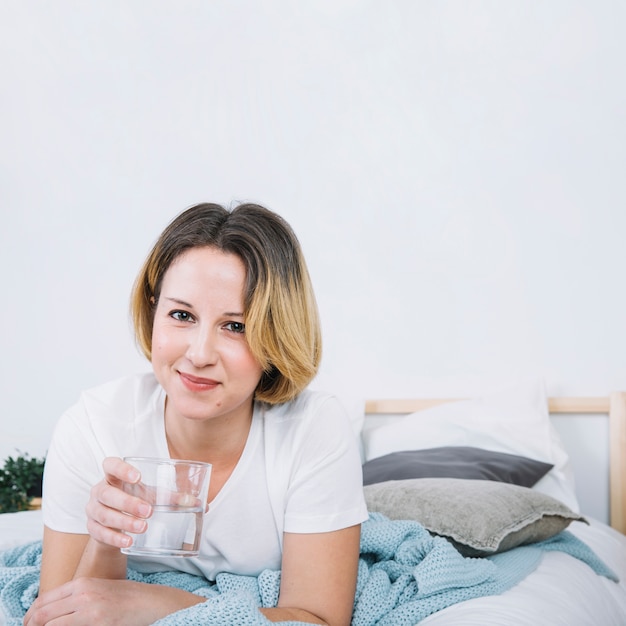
{"x": 405, "y": 574}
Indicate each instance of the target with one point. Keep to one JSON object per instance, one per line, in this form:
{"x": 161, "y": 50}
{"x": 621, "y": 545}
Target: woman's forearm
{"x": 101, "y": 561}
{"x": 283, "y": 614}
{"x": 91, "y": 600}
{"x": 107, "y": 562}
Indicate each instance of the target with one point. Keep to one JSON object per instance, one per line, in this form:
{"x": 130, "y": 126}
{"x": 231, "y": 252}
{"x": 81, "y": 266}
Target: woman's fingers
{"x": 106, "y": 499}
{"x": 111, "y": 512}
{"x": 105, "y": 602}
{"x": 49, "y": 605}
{"x": 81, "y": 602}
{"x": 118, "y": 471}
{"x": 109, "y": 536}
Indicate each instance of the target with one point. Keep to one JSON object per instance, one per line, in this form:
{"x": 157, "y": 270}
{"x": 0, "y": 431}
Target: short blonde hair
{"x": 281, "y": 316}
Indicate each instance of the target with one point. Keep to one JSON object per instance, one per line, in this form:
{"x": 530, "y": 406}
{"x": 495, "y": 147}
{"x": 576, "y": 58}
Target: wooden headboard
{"x": 613, "y": 405}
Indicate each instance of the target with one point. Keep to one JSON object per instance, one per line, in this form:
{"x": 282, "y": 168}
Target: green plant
{"x": 20, "y": 481}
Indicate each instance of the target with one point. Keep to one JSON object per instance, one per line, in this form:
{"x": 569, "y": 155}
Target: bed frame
{"x": 613, "y": 405}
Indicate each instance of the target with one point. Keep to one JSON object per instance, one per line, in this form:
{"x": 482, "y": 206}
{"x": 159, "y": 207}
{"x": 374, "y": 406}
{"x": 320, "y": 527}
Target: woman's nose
{"x": 202, "y": 348}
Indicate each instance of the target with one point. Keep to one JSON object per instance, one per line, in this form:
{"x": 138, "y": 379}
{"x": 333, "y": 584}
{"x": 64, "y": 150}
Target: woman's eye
{"x": 236, "y": 327}
{"x": 181, "y": 316}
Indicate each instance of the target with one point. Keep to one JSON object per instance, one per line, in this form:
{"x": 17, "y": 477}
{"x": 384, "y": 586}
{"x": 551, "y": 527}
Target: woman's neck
{"x": 219, "y": 441}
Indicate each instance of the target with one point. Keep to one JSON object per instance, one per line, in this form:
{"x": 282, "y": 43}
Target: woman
{"x": 224, "y": 310}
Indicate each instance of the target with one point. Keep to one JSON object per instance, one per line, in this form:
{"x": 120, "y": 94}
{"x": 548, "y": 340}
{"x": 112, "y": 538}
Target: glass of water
{"x": 178, "y": 492}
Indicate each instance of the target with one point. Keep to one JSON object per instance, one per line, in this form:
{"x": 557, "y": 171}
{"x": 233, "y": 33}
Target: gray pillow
{"x": 455, "y": 462}
{"x": 480, "y": 517}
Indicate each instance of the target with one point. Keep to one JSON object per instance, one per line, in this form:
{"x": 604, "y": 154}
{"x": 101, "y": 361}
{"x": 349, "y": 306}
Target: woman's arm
{"x": 318, "y": 579}
{"x": 102, "y": 600}
{"x": 60, "y": 556}
{"x": 318, "y": 582}
{"x": 84, "y": 576}
{"x": 110, "y": 511}
{"x": 107, "y": 603}
{"x": 66, "y": 556}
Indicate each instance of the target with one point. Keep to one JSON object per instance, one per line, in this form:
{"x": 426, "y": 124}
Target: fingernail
{"x": 133, "y": 476}
{"x": 139, "y": 526}
{"x": 144, "y": 510}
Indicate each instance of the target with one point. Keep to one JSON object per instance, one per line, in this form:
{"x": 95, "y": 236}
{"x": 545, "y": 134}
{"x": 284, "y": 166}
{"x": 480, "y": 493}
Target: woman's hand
{"x": 111, "y": 512}
{"x": 89, "y": 601}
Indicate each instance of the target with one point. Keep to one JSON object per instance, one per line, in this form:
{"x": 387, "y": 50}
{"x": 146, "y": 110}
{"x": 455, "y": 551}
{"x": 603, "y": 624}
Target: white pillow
{"x": 514, "y": 420}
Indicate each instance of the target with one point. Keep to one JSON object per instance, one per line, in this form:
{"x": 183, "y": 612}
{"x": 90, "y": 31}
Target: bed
{"x": 514, "y": 421}
{"x": 499, "y": 460}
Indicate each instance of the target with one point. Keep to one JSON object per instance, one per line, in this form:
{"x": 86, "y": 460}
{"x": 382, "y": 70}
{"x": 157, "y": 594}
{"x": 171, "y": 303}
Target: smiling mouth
{"x": 195, "y": 383}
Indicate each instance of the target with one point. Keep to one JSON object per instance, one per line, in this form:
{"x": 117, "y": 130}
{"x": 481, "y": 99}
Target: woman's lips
{"x": 195, "y": 383}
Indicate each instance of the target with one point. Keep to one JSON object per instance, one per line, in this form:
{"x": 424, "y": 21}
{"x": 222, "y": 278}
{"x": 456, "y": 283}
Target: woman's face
{"x": 199, "y": 350}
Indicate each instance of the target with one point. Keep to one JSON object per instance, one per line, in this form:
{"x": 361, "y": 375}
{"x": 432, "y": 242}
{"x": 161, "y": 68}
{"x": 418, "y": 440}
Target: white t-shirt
{"x": 300, "y": 472}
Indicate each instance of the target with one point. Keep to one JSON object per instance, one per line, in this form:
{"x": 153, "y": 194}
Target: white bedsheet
{"x": 562, "y": 591}
{"x": 581, "y": 598}
{"x": 19, "y": 528}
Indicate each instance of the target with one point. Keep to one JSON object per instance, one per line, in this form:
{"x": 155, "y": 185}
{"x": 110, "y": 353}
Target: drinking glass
{"x": 177, "y": 491}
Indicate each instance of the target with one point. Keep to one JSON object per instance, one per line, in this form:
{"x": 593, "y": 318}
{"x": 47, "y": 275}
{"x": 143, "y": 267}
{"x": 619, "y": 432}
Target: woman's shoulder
{"x": 317, "y": 410}
{"x": 114, "y": 417}
{"x": 131, "y": 387}
{"x": 120, "y": 398}
{"x": 306, "y": 404}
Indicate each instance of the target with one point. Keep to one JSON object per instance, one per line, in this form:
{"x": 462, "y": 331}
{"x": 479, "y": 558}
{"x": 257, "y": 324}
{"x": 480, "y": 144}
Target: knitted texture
{"x": 405, "y": 574}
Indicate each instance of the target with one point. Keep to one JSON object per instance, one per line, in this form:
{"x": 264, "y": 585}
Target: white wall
{"x": 455, "y": 171}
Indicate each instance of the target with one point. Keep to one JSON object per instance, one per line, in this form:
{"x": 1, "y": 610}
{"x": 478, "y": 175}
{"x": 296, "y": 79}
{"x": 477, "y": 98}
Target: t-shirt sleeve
{"x": 121, "y": 417}
{"x": 73, "y": 465}
{"x": 325, "y": 489}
